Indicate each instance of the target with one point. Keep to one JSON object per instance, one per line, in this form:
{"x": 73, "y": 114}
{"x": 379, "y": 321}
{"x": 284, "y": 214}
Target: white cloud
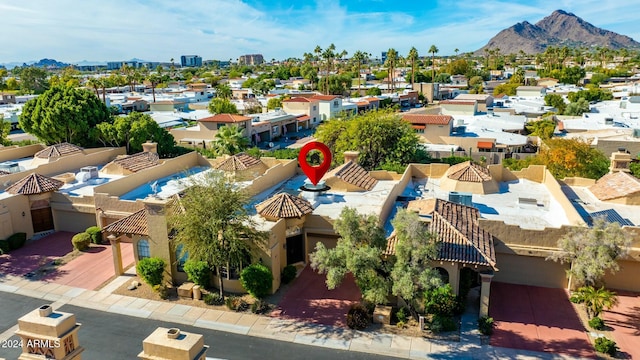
{"x": 71, "y": 31}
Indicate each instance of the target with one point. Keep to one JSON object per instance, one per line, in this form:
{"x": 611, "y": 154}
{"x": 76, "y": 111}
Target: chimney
{"x": 351, "y": 156}
{"x": 620, "y": 161}
{"x": 150, "y": 146}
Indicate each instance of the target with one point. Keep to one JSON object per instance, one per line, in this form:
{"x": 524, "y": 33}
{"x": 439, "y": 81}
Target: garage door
{"x": 529, "y": 270}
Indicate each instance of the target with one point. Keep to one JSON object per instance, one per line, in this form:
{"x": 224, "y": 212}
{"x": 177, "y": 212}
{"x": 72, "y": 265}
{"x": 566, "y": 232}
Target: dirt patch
{"x": 144, "y": 291}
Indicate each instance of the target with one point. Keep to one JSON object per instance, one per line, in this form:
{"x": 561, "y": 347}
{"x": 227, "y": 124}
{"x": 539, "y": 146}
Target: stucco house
{"x": 459, "y": 107}
{"x": 303, "y": 105}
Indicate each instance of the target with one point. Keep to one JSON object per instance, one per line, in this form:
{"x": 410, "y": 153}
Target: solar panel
{"x": 611, "y": 215}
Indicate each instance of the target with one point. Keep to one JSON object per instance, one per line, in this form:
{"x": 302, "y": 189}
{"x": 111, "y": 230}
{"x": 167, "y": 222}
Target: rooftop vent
{"x": 608, "y": 121}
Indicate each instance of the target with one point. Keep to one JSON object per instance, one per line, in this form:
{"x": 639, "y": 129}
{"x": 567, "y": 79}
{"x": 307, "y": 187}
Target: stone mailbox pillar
{"x": 485, "y": 291}
{"x": 173, "y": 344}
{"x": 49, "y": 334}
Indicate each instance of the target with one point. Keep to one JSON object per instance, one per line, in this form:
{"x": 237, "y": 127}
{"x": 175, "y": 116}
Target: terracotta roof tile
{"x": 34, "y": 184}
{"x": 462, "y": 239}
{"x": 427, "y": 119}
{"x": 284, "y": 205}
{"x": 225, "y": 118}
{"x": 324, "y": 97}
{"x": 135, "y": 223}
{"x": 58, "y": 150}
{"x": 304, "y": 117}
{"x": 139, "y": 161}
{"x": 238, "y": 162}
{"x": 615, "y": 185}
{"x": 469, "y": 172}
{"x": 354, "y": 174}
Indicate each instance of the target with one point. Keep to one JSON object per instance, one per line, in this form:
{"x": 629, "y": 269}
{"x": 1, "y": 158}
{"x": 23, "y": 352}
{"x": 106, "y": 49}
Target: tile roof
{"x": 34, "y": 184}
{"x": 427, "y": 119}
{"x": 469, "y": 172}
{"x": 615, "y": 185}
{"x": 324, "y": 97}
{"x": 304, "y": 117}
{"x": 135, "y": 223}
{"x": 362, "y": 103}
{"x": 139, "y": 161}
{"x": 354, "y": 174}
{"x": 462, "y": 239}
{"x": 298, "y": 99}
{"x": 225, "y": 118}
{"x": 238, "y": 162}
{"x": 372, "y": 99}
{"x": 58, "y": 150}
{"x": 284, "y": 205}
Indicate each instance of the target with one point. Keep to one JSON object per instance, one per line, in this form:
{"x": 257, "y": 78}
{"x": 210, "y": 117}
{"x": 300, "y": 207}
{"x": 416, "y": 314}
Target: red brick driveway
{"x": 308, "y": 299}
{"x": 625, "y": 321}
{"x": 36, "y": 253}
{"x": 538, "y": 319}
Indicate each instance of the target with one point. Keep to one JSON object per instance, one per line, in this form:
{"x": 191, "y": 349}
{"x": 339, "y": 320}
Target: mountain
{"x": 558, "y": 29}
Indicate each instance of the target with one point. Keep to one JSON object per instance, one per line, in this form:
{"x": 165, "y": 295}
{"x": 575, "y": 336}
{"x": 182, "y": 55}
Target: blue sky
{"x": 158, "y": 30}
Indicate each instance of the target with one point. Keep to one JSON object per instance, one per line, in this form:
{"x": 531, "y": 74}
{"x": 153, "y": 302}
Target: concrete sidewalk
{"x": 266, "y": 327}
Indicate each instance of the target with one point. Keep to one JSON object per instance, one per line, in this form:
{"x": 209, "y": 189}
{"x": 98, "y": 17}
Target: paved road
{"x": 110, "y": 336}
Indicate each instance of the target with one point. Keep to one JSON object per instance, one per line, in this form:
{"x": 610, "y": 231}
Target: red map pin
{"x": 315, "y": 173}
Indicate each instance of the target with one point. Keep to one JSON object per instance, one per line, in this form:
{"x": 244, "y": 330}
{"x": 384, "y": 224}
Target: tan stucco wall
{"x": 279, "y": 171}
{"x": 485, "y": 187}
{"x": 73, "y": 221}
{"x": 556, "y": 192}
{"x": 626, "y": 278}
{"x": 12, "y": 208}
{"x": 18, "y": 152}
{"x": 577, "y": 181}
{"x": 458, "y": 109}
{"x": 435, "y": 134}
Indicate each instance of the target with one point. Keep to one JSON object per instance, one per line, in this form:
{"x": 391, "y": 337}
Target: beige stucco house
{"x": 303, "y": 105}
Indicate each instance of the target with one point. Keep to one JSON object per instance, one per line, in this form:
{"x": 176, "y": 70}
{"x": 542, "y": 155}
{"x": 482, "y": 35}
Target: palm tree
{"x": 433, "y": 50}
{"x": 328, "y": 54}
{"x": 456, "y": 50}
{"x": 154, "y": 79}
{"x": 596, "y": 300}
{"x": 392, "y": 60}
{"x": 95, "y": 84}
{"x": 359, "y": 57}
{"x": 230, "y": 140}
{"x": 223, "y": 91}
{"x": 413, "y": 57}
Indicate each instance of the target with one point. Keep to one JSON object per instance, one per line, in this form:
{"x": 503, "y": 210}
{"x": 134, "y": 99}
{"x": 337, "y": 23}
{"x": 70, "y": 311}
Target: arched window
{"x": 181, "y": 257}
{"x": 143, "y": 249}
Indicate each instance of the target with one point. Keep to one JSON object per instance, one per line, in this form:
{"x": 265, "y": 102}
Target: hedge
{"x": 81, "y": 241}
{"x": 95, "y": 233}
{"x": 17, "y": 240}
{"x": 151, "y": 270}
{"x": 198, "y": 272}
{"x": 257, "y": 280}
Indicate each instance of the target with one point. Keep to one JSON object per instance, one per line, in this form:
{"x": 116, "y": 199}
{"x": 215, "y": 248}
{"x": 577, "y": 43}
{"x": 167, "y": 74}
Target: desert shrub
{"x": 441, "y": 301}
{"x": 4, "y": 247}
{"x": 358, "y": 317}
{"x": 257, "y": 280}
{"x": 400, "y": 324}
{"x": 231, "y": 302}
{"x": 288, "y": 274}
{"x": 81, "y": 241}
{"x": 242, "y": 305}
{"x": 485, "y": 325}
{"x": 442, "y": 323}
{"x": 95, "y": 233}
{"x": 161, "y": 290}
{"x": 260, "y": 307}
{"x": 401, "y": 315}
{"x": 151, "y": 270}
{"x": 198, "y": 272}
{"x": 596, "y": 323}
{"x": 606, "y": 346}
{"x": 17, "y": 240}
{"x": 213, "y": 299}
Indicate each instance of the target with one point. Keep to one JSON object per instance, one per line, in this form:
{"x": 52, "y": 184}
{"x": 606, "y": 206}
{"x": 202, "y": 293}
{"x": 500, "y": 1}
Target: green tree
{"x": 373, "y": 91}
{"x": 433, "y": 50}
{"x": 412, "y": 272}
{"x": 230, "y": 140}
{"x": 222, "y": 106}
{"x": 5, "y": 128}
{"x": 359, "y": 57}
{"x": 33, "y": 80}
{"x": 64, "y": 114}
{"x": 357, "y": 251}
{"x": 223, "y": 91}
{"x": 391, "y": 62}
{"x": 557, "y": 101}
{"x": 595, "y": 300}
{"x": 542, "y": 128}
{"x": 577, "y": 108}
{"x": 592, "y": 251}
{"x": 380, "y": 136}
{"x": 507, "y": 89}
{"x": 132, "y": 131}
{"x": 3, "y": 74}
{"x": 275, "y": 102}
{"x": 212, "y": 223}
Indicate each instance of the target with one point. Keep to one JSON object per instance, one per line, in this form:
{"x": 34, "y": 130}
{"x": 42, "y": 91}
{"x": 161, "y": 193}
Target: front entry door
{"x": 42, "y": 219}
{"x": 295, "y": 249}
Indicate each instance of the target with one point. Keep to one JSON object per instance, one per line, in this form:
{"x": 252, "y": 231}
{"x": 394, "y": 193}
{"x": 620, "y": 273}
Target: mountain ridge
{"x": 560, "y": 28}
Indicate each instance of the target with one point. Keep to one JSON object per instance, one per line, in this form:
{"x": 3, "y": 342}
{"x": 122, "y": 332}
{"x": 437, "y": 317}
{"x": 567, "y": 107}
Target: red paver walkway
{"x": 309, "y": 299}
{"x": 538, "y": 319}
{"x": 625, "y": 320}
{"x": 92, "y": 268}
{"x": 36, "y": 253}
